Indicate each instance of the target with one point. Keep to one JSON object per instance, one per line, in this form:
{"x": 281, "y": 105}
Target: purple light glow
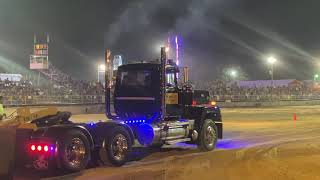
{"x": 169, "y": 47}
{"x": 177, "y": 51}
{"x": 230, "y": 144}
{"x": 227, "y": 144}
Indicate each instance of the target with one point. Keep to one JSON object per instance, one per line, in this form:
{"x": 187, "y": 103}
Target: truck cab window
{"x": 138, "y": 82}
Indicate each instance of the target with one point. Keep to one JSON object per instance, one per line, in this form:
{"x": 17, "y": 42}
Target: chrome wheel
{"x": 75, "y": 152}
{"x": 210, "y": 136}
{"x": 119, "y": 147}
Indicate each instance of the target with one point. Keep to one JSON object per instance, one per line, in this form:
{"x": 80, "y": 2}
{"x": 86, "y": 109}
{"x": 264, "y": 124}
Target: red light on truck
{"x": 46, "y": 148}
{"x": 33, "y": 147}
{"x": 40, "y": 147}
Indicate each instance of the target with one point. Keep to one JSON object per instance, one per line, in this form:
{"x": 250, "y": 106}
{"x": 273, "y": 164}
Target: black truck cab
{"x": 149, "y": 106}
{"x": 136, "y": 92}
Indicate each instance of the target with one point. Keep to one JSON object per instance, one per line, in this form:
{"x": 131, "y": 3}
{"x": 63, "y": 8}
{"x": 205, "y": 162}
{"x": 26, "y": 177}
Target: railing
{"x": 264, "y": 98}
{"x": 95, "y": 99}
{"x": 45, "y": 100}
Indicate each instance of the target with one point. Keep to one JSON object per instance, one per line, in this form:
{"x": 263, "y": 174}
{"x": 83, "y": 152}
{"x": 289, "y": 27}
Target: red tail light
{"x": 33, "y": 147}
{"x": 46, "y": 148}
{"x": 39, "y": 148}
{"x": 194, "y": 102}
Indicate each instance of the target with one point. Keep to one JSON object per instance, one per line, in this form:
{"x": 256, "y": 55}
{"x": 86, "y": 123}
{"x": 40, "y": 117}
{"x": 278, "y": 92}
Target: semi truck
{"x": 149, "y": 107}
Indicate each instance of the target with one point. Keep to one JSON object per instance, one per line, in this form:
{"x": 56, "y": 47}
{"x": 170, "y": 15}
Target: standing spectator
{"x": 2, "y": 112}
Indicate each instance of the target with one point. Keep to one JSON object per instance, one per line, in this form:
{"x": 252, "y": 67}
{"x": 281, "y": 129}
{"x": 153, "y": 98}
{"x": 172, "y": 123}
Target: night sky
{"x": 215, "y": 34}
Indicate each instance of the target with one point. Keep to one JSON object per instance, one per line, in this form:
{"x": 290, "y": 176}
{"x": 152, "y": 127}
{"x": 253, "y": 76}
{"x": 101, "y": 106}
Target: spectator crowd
{"x": 51, "y": 85}
{"x": 60, "y": 85}
{"x": 27, "y": 88}
{"x": 236, "y": 91}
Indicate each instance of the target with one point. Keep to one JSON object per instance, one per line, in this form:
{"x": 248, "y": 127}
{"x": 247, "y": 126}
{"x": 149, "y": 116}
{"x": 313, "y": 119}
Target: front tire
{"x": 118, "y": 146}
{"x": 74, "y": 151}
{"x": 208, "y": 136}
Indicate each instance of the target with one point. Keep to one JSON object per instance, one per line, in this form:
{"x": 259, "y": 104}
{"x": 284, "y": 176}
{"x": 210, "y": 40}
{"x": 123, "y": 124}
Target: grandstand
{"x": 54, "y": 86}
{"x": 262, "y": 90}
{"x": 54, "y": 74}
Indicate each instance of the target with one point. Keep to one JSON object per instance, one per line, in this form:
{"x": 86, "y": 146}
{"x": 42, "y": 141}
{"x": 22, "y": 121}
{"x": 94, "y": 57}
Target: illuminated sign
{"x": 41, "y": 46}
{"x": 41, "y": 49}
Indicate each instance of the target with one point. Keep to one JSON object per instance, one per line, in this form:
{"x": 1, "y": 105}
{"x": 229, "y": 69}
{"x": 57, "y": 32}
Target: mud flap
{"x": 220, "y": 129}
{"x": 7, "y": 152}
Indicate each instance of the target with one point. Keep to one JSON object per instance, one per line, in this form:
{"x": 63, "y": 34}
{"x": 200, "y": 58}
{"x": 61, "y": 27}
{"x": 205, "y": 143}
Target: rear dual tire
{"x": 74, "y": 151}
{"x": 118, "y": 146}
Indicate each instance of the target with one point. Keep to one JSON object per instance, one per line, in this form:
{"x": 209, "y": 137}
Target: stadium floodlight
{"x": 272, "y": 60}
{"x": 102, "y": 67}
{"x": 233, "y": 73}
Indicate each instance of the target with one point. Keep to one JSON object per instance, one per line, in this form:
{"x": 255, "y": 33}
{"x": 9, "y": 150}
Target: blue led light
{"x": 134, "y": 121}
{"x": 139, "y": 120}
{"x": 145, "y": 134}
{"x": 91, "y": 123}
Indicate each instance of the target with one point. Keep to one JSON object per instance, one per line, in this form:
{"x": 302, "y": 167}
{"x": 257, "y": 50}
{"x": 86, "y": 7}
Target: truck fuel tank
{"x": 149, "y": 134}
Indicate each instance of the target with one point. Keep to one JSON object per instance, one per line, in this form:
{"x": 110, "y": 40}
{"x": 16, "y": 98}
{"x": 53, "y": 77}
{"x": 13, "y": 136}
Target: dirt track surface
{"x": 259, "y": 143}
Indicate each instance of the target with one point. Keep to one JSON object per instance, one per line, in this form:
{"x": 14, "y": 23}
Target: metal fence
{"x": 264, "y": 98}
{"x": 96, "y": 99}
{"x": 44, "y": 100}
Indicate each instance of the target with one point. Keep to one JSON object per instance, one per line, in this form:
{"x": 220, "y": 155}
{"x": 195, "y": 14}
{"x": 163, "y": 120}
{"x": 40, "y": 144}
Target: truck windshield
{"x": 136, "y": 78}
{"x": 134, "y": 83}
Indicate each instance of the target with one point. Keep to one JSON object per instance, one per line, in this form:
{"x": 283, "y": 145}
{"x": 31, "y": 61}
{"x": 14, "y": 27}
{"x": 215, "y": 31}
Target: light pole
{"x": 271, "y": 61}
{"x": 101, "y": 69}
